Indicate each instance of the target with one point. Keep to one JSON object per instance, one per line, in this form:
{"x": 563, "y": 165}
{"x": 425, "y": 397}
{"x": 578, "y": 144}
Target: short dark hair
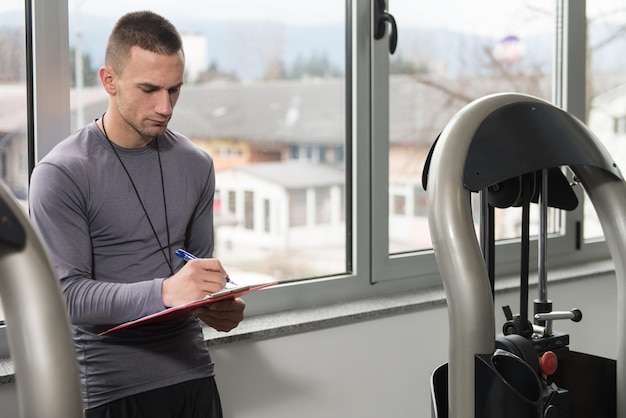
{"x": 144, "y": 29}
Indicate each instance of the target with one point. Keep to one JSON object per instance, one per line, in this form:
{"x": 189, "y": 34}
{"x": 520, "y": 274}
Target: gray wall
{"x": 377, "y": 368}
{"x": 381, "y": 368}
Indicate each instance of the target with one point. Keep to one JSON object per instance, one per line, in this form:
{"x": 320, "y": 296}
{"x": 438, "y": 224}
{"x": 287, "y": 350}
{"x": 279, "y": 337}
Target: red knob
{"x": 548, "y": 362}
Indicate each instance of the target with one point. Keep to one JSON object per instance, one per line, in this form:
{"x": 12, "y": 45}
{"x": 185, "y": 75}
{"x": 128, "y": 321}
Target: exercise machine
{"x": 512, "y": 149}
{"x": 38, "y": 330}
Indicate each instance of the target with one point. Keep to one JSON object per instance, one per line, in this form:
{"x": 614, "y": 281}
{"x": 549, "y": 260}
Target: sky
{"x": 321, "y": 11}
{"x": 297, "y": 12}
{"x": 501, "y": 17}
{"x": 487, "y": 16}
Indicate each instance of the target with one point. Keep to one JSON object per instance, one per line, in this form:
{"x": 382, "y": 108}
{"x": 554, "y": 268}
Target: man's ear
{"x": 107, "y": 77}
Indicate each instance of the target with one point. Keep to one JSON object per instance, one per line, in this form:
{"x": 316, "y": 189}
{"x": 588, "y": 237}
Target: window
{"x": 294, "y": 152}
{"x": 267, "y": 216}
{"x": 399, "y": 205}
{"x": 248, "y": 204}
{"x": 297, "y": 208}
{"x": 606, "y": 87}
{"x": 301, "y": 99}
{"x": 13, "y": 102}
{"x": 217, "y": 202}
{"x": 265, "y": 85}
{"x": 13, "y": 107}
{"x": 308, "y": 152}
{"x": 444, "y": 61}
{"x": 419, "y": 202}
{"x": 323, "y": 206}
{"x": 232, "y": 202}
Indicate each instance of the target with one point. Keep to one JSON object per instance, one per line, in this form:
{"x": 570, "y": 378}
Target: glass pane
{"x": 606, "y": 75}
{"x": 13, "y": 110}
{"x": 265, "y": 96}
{"x": 450, "y": 53}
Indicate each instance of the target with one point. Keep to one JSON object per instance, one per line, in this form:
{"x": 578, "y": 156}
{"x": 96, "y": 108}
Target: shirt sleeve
{"x": 58, "y": 208}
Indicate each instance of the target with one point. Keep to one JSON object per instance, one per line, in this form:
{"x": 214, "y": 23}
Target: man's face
{"x": 147, "y": 90}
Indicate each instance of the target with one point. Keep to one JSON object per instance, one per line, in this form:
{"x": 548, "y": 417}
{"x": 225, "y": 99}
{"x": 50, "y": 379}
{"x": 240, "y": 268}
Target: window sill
{"x": 291, "y": 322}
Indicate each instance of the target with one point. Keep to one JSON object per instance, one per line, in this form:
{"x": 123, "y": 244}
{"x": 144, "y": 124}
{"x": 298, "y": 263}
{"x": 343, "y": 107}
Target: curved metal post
{"x": 464, "y": 275}
{"x": 608, "y": 195}
{"x": 37, "y": 323}
{"x": 462, "y": 267}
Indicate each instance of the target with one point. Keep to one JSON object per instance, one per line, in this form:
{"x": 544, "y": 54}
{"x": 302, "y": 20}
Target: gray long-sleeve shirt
{"x": 109, "y": 261}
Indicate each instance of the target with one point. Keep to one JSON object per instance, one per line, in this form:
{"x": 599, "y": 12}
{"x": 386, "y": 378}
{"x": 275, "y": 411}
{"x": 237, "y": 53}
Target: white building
{"x": 196, "y": 56}
{"x": 607, "y": 119}
{"x": 265, "y": 209}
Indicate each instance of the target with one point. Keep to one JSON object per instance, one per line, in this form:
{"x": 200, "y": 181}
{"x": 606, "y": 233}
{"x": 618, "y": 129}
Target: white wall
{"x": 380, "y": 368}
{"x": 8, "y": 401}
{"x": 376, "y": 368}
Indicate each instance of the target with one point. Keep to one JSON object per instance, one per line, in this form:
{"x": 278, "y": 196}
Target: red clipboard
{"x": 183, "y": 311}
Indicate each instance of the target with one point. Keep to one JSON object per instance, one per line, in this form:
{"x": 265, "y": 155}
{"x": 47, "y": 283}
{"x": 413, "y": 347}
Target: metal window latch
{"x": 381, "y": 18}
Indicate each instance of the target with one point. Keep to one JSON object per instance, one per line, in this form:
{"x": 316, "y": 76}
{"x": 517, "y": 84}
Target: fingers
{"x": 209, "y": 265}
{"x": 219, "y": 324}
{"x": 223, "y": 315}
{"x": 206, "y": 275}
{"x": 227, "y": 305}
{"x": 196, "y": 279}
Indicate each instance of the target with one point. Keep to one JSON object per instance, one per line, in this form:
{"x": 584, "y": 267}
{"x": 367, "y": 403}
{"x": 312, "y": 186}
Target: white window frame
{"x": 570, "y": 75}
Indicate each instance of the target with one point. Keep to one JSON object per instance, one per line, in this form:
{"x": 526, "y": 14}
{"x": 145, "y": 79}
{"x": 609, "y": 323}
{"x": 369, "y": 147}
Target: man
{"x": 113, "y": 202}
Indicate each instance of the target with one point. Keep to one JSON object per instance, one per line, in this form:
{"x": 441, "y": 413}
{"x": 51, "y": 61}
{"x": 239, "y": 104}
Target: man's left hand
{"x": 223, "y": 315}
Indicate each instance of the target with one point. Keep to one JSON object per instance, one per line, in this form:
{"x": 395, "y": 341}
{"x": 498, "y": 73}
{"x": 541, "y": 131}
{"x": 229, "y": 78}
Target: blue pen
{"x": 186, "y": 255}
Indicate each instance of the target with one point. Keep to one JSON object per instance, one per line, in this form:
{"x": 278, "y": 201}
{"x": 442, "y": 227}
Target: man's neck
{"x": 110, "y": 129}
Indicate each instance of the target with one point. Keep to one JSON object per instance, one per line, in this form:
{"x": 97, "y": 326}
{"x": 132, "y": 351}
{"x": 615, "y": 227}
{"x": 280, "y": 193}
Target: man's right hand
{"x": 198, "y": 278}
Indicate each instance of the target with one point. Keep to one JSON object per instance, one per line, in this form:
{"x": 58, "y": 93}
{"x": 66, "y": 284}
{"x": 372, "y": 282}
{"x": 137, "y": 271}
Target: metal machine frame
{"x": 493, "y": 139}
{"x": 40, "y": 339}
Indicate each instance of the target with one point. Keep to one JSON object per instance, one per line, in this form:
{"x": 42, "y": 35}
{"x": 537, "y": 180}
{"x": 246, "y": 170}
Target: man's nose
{"x": 164, "y": 104}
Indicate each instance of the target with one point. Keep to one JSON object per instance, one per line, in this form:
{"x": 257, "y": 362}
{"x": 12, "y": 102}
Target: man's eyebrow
{"x": 155, "y": 87}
